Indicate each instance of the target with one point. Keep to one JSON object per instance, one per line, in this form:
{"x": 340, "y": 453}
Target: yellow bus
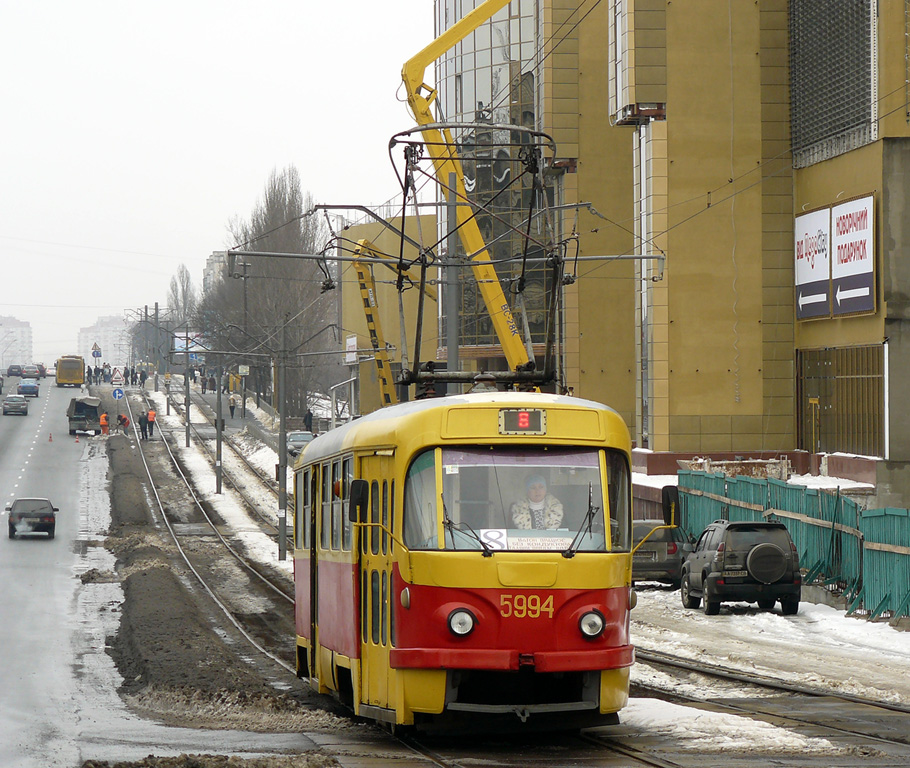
{"x": 70, "y": 371}
{"x": 468, "y": 557}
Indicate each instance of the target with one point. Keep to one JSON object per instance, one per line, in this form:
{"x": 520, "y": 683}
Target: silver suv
{"x": 742, "y": 561}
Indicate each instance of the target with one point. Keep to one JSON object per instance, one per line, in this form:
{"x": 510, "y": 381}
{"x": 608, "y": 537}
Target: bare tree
{"x": 181, "y": 297}
{"x": 277, "y": 305}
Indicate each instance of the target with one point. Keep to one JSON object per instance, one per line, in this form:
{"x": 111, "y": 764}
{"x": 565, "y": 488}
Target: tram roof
{"x": 340, "y": 438}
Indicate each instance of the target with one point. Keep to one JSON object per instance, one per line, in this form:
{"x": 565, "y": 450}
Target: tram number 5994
{"x": 525, "y": 606}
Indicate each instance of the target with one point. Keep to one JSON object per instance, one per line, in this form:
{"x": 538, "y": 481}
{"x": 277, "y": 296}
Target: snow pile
{"x": 695, "y": 730}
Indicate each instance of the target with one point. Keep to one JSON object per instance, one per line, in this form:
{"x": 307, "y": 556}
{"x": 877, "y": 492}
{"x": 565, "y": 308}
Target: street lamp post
{"x": 186, "y": 385}
{"x": 245, "y": 265}
{"x": 282, "y": 443}
{"x": 218, "y": 422}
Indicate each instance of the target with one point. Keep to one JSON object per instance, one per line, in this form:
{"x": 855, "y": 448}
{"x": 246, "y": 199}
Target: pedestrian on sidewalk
{"x": 308, "y": 420}
{"x": 152, "y": 416}
{"x": 212, "y": 385}
{"x": 144, "y": 425}
{"x": 232, "y": 404}
{"x": 205, "y": 383}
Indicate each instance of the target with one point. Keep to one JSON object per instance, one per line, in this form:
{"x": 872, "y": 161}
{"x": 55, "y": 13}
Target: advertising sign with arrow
{"x": 853, "y": 257}
{"x": 813, "y": 264}
{"x": 835, "y": 260}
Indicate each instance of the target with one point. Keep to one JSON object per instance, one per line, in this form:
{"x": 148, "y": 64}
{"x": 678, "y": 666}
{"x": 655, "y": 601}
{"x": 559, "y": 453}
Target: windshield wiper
{"x": 452, "y": 527}
{"x": 586, "y": 524}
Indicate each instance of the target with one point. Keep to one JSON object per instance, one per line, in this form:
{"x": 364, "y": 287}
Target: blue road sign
{"x": 96, "y": 353}
{"x": 117, "y": 393}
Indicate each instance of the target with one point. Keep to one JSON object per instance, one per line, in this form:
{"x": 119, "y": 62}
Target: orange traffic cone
{"x": 77, "y": 438}
{"x": 50, "y": 437}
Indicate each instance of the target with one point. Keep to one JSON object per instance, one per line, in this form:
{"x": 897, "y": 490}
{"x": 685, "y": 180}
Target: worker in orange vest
{"x": 104, "y": 427}
{"x": 151, "y": 416}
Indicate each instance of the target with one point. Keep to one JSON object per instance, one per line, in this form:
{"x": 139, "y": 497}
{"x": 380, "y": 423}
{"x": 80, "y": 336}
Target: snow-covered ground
{"x": 819, "y": 647}
{"x": 227, "y": 504}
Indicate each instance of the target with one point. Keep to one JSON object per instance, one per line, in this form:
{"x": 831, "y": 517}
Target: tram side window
{"x": 336, "y": 504}
{"x": 392, "y": 514}
{"x": 313, "y": 513}
{"x": 326, "y": 518}
{"x": 301, "y": 507}
{"x": 374, "y": 517}
{"x": 347, "y": 474}
{"x": 364, "y": 606}
{"x": 376, "y": 606}
{"x": 385, "y": 608}
{"x": 618, "y": 479}
{"x": 420, "y": 501}
{"x": 385, "y": 516}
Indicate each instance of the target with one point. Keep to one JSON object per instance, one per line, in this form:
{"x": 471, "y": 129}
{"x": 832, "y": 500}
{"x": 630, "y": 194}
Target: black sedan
{"x": 32, "y": 516}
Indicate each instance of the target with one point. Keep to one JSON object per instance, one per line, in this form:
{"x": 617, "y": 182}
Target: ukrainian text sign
{"x": 852, "y": 257}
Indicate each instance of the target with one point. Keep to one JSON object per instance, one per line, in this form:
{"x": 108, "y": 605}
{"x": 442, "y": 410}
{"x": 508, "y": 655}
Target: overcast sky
{"x": 134, "y": 132}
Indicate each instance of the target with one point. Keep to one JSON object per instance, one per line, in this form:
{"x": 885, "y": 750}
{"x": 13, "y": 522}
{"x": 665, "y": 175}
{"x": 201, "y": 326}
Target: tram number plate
{"x": 734, "y": 574}
{"x": 525, "y": 606}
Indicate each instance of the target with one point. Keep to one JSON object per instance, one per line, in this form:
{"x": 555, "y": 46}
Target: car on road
{"x": 42, "y": 370}
{"x": 297, "y": 440}
{"x": 31, "y": 372}
{"x": 15, "y": 404}
{"x": 662, "y": 554}
{"x": 14, "y": 370}
{"x": 32, "y": 516}
{"x": 753, "y": 562}
{"x": 28, "y": 387}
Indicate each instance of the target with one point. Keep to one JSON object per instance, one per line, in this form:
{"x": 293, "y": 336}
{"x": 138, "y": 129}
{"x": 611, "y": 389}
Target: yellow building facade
{"x": 701, "y": 149}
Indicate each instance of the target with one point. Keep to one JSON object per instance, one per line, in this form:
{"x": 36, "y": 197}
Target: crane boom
{"x": 445, "y": 158}
{"x": 367, "y": 285}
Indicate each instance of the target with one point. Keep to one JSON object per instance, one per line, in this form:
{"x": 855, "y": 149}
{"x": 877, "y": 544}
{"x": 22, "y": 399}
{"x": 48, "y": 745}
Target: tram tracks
{"x": 819, "y": 712}
{"x": 198, "y": 540}
{"x": 236, "y": 479}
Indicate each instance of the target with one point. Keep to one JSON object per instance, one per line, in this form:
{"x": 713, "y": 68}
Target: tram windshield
{"x": 507, "y": 498}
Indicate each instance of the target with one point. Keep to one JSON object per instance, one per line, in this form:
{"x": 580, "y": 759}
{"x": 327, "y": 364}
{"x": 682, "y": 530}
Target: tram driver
{"x": 539, "y": 509}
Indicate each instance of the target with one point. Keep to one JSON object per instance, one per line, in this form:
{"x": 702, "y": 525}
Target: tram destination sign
{"x": 522, "y": 421}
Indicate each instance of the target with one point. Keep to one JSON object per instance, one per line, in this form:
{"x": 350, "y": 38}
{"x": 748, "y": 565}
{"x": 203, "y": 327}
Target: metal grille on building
{"x": 833, "y": 78}
{"x": 841, "y": 396}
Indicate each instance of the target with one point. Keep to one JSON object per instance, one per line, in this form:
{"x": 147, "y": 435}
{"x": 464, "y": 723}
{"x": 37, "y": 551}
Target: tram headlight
{"x": 592, "y": 624}
{"x": 461, "y": 622}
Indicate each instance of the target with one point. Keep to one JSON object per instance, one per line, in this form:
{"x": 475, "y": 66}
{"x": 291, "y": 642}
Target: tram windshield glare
{"x": 526, "y": 499}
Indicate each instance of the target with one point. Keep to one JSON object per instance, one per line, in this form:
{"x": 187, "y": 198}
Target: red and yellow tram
{"x": 468, "y": 555}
